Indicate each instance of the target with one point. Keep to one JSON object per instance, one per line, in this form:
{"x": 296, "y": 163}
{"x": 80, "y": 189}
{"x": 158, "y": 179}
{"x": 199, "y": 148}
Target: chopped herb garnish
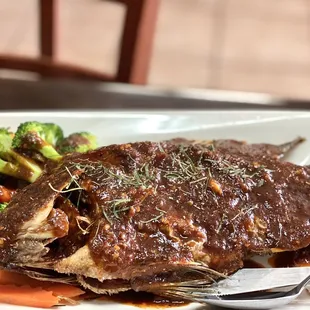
{"x": 116, "y": 203}
{"x": 221, "y": 223}
{"x": 66, "y": 190}
{"x": 211, "y": 147}
{"x": 245, "y": 211}
{"x": 155, "y": 218}
{"x": 160, "y": 147}
{"x": 199, "y": 180}
{"x": 106, "y": 216}
{"x": 260, "y": 183}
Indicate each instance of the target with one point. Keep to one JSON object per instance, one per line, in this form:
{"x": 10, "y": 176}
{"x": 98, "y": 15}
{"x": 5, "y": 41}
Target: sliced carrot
{"x": 27, "y": 296}
{"x": 64, "y": 290}
{"x": 6, "y": 194}
{"x": 58, "y": 289}
{"x": 8, "y": 277}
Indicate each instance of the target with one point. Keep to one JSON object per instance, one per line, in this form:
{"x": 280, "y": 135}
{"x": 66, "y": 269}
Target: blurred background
{"x": 244, "y": 45}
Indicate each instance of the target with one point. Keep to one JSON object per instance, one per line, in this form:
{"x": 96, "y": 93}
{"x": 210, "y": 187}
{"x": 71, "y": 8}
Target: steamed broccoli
{"x": 54, "y": 133}
{"x": 14, "y": 164}
{"x": 38, "y": 141}
{"x": 39, "y": 137}
{"x": 3, "y": 205}
{"x": 77, "y": 142}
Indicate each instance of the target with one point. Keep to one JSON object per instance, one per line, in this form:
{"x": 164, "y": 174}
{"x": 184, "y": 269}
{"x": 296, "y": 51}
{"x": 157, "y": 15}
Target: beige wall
{"x": 252, "y": 45}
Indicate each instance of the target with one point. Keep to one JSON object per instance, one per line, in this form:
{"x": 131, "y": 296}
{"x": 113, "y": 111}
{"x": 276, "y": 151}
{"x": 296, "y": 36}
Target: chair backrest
{"x": 137, "y": 40}
{"x": 135, "y": 48}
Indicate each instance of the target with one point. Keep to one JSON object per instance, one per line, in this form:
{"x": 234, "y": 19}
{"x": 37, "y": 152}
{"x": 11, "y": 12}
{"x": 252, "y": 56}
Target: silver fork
{"x": 256, "y": 300}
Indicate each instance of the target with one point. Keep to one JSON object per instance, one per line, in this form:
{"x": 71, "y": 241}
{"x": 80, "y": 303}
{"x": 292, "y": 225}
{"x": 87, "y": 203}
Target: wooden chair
{"x": 135, "y": 48}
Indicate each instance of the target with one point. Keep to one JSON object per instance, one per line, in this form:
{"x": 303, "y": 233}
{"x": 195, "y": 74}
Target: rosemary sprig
{"x": 223, "y": 219}
{"x": 212, "y": 161}
{"x": 186, "y": 169}
{"x": 85, "y": 220}
{"x": 79, "y": 199}
{"x": 191, "y": 163}
{"x": 244, "y": 211}
{"x": 141, "y": 177}
{"x": 234, "y": 170}
{"x": 211, "y": 147}
{"x": 106, "y": 216}
{"x": 115, "y": 203}
{"x": 73, "y": 178}
{"x": 199, "y": 180}
{"x": 155, "y": 218}
{"x": 264, "y": 168}
{"x": 174, "y": 175}
{"x": 147, "y": 171}
{"x": 67, "y": 188}
{"x": 160, "y": 147}
{"x": 260, "y": 183}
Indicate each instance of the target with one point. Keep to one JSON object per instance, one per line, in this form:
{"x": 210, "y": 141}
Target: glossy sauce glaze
{"x": 144, "y": 300}
{"x": 250, "y": 263}
{"x": 154, "y": 210}
{"x": 300, "y": 258}
{"x": 148, "y": 300}
{"x": 168, "y": 203}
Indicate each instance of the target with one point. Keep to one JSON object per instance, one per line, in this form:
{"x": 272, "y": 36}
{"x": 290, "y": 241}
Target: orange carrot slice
{"x": 64, "y": 290}
{"x": 27, "y": 296}
{"x": 58, "y": 289}
{"x": 8, "y": 277}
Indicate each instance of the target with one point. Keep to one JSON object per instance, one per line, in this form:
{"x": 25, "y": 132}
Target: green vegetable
{"x": 54, "y": 133}
{"x": 14, "y": 164}
{"x": 79, "y": 142}
{"x": 39, "y": 137}
{"x": 32, "y": 138}
{"x": 3, "y": 205}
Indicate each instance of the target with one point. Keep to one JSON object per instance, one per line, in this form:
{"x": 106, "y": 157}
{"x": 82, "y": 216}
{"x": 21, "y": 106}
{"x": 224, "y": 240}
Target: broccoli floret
{"x": 53, "y": 133}
{"x": 3, "y": 205}
{"x": 19, "y": 171}
{"x": 79, "y": 142}
{"x": 6, "y": 143}
{"x": 39, "y": 137}
{"x": 14, "y": 164}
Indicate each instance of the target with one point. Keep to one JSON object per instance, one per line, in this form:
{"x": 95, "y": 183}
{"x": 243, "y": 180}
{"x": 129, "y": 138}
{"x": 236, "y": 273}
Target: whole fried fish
{"x": 154, "y": 216}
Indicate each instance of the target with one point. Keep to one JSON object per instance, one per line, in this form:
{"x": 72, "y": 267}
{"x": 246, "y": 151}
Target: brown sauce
{"x": 249, "y": 263}
{"x": 149, "y": 183}
{"x": 278, "y": 260}
{"x": 148, "y": 300}
{"x": 144, "y": 300}
{"x": 299, "y": 258}
{"x": 170, "y": 199}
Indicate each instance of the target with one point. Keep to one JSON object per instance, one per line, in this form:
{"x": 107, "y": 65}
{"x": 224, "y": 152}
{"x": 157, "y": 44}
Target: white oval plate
{"x": 119, "y": 127}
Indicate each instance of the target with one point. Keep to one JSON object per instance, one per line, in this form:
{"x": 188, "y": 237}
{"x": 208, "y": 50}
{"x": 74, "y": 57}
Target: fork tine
{"x": 258, "y": 300}
{"x": 302, "y": 285}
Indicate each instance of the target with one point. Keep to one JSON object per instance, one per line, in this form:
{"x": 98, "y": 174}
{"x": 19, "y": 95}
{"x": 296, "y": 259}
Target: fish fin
{"x": 285, "y": 148}
{"x": 106, "y": 287}
{"x": 194, "y": 277}
{"x": 41, "y": 274}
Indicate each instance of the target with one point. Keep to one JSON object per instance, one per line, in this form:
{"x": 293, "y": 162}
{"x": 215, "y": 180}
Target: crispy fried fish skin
{"x": 31, "y": 220}
{"x": 147, "y": 208}
{"x": 241, "y": 147}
